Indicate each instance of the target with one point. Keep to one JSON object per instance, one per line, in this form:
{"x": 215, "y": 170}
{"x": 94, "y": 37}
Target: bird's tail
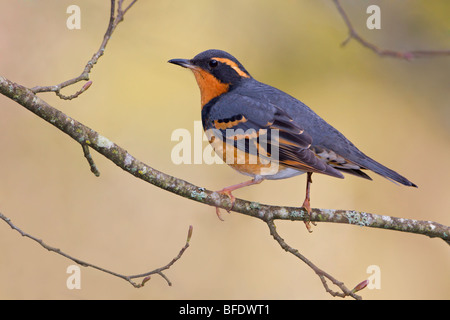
{"x": 386, "y": 172}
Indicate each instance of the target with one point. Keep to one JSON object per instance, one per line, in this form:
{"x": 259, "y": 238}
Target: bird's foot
{"x": 307, "y": 219}
{"x": 227, "y": 192}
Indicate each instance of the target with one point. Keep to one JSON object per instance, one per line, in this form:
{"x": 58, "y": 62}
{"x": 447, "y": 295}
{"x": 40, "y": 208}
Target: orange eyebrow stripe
{"x": 233, "y": 65}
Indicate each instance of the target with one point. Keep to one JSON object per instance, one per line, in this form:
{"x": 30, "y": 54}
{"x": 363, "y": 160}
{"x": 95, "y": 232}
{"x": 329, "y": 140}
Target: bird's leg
{"x": 307, "y": 203}
{"x": 227, "y": 191}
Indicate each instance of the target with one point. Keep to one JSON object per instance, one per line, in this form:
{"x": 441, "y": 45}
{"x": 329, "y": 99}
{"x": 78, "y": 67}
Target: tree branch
{"x": 145, "y": 276}
{"x": 407, "y": 55}
{"x": 114, "y": 19}
{"x": 322, "y": 274}
{"x": 86, "y": 136}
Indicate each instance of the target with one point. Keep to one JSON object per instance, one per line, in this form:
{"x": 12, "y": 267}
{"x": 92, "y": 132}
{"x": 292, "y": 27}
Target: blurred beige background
{"x": 398, "y": 112}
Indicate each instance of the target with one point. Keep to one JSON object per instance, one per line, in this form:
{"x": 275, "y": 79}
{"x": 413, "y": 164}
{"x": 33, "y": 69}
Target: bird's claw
{"x": 307, "y": 220}
{"x": 232, "y": 199}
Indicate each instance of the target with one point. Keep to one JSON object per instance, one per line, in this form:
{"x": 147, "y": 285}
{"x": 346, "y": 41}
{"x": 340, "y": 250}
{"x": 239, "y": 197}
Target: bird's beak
{"x": 185, "y": 63}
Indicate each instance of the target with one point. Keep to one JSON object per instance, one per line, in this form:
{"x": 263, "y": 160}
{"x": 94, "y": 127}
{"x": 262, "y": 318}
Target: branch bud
{"x": 145, "y": 280}
{"x": 360, "y": 286}
{"x": 189, "y": 234}
{"x": 86, "y": 86}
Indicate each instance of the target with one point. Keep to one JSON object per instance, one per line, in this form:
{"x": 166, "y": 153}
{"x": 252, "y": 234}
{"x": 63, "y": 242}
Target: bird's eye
{"x": 213, "y": 63}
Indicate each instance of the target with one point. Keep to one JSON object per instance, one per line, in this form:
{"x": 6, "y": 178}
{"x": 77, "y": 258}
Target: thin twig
{"x": 87, "y": 264}
{"x": 114, "y": 20}
{"x": 320, "y": 273}
{"x": 167, "y": 266}
{"x": 407, "y": 55}
{"x": 76, "y": 94}
{"x": 90, "y": 160}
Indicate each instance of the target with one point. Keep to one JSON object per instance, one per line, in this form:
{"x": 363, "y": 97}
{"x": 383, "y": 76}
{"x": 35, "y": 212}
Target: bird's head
{"x": 216, "y": 72}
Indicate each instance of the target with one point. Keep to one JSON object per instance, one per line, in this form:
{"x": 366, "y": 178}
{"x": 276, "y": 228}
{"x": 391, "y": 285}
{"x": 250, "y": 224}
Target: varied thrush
{"x": 265, "y": 133}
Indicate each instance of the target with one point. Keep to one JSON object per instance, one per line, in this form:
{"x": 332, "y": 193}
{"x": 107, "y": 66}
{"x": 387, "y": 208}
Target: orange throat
{"x": 210, "y": 86}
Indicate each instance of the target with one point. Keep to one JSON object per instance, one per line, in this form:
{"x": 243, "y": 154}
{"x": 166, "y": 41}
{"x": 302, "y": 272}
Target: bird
{"x": 267, "y": 134}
